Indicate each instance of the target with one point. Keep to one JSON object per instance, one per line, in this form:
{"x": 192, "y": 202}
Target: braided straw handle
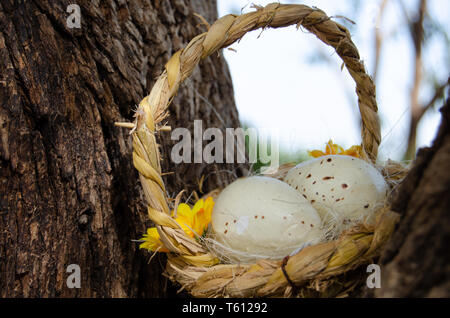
{"x": 224, "y": 32}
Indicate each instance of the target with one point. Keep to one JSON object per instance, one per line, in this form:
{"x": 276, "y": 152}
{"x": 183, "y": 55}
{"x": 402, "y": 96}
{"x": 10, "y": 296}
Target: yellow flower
{"x": 152, "y": 241}
{"x": 333, "y": 149}
{"x": 196, "y": 219}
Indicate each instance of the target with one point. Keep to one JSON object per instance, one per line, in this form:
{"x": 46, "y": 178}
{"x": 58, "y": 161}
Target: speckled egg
{"x": 262, "y": 217}
{"x": 341, "y": 188}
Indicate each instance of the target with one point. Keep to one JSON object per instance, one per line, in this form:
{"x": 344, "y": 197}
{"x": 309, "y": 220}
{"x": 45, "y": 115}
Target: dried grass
{"x": 196, "y": 265}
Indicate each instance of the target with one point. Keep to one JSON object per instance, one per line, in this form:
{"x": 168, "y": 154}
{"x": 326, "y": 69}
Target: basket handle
{"x": 224, "y": 32}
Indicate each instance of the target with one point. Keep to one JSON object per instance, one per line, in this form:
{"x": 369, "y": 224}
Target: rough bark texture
{"x": 416, "y": 263}
{"x": 69, "y": 192}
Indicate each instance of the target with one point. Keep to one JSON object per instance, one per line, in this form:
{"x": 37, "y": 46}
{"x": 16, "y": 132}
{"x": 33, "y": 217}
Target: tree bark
{"x": 416, "y": 262}
{"x": 69, "y": 192}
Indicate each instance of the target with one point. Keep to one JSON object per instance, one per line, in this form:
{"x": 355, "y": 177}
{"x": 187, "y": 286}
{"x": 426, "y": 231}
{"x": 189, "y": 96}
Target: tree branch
{"x": 417, "y": 35}
{"x": 378, "y": 39}
{"x": 439, "y": 93}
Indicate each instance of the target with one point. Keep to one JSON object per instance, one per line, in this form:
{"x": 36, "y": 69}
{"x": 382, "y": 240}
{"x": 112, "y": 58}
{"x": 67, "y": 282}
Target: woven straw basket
{"x": 327, "y": 269}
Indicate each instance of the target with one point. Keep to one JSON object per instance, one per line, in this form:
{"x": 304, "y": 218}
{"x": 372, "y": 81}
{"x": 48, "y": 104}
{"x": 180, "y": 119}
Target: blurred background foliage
{"x": 423, "y": 27}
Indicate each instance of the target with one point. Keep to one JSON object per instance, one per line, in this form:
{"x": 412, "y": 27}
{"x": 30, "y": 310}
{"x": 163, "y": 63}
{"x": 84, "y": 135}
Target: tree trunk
{"x": 69, "y": 192}
{"x": 416, "y": 263}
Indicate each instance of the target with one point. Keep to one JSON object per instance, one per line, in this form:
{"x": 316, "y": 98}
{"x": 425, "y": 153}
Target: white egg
{"x": 262, "y": 217}
{"x": 342, "y": 188}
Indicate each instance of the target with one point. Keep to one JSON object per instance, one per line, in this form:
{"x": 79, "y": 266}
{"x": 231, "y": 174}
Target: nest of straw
{"x": 325, "y": 269}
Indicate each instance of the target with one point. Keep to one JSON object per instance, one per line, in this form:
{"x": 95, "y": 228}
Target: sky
{"x": 279, "y": 88}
